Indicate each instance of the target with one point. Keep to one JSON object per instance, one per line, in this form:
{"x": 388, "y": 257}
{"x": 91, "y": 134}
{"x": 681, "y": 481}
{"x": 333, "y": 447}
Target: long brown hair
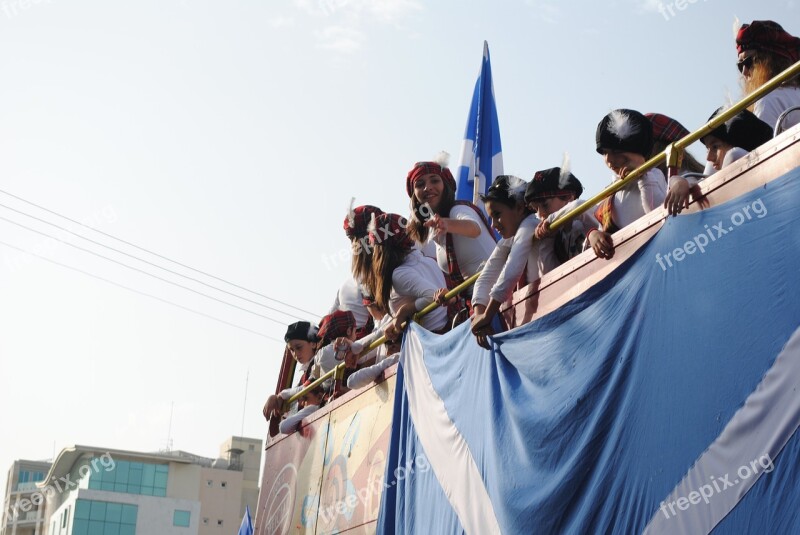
{"x": 361, "y": 264}
{"x": 765, "y": 67}
{"x": 416, "y": 223}
{"x": 386, "y": 258}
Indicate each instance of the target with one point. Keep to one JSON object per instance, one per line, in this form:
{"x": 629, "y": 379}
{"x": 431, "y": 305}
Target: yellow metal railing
{"x": 672, "y": 154}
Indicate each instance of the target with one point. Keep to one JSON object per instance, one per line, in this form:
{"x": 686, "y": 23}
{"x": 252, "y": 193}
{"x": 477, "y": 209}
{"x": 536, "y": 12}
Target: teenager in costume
{"x": 338, "y": 324}
{"x": 301, "y": 341}
{"x": 625, "y": 140}
{"x": 380, "y": 358}
{"x": 459, "y": 230}
{"x": 734, "y": 138}
{"x": 552, "y": 193}
{"x": 765, "y": 49}
{"x": 514, "y": 257}
{"x": 403, "y": 280}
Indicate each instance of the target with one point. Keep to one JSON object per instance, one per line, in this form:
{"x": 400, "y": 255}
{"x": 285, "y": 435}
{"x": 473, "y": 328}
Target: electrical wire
{"x": 142, "y": 271}
{"x": 147, "y": 261}
{"x": 161, "y": 299}
{"x": 158, "y": 255}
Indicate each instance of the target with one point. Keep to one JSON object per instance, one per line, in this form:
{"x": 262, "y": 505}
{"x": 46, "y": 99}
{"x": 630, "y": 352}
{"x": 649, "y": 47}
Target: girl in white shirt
{"x": 625, "y": 139}
{"x": 516, "y": 254}
{"x": 459, "y": 230}
{"x": 403, "y": 280}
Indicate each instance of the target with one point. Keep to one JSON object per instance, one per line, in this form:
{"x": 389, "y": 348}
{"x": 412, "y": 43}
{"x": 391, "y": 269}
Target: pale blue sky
{"x": 231, "y": 135}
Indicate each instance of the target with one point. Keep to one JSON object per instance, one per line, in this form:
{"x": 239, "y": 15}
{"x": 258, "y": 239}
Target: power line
{"x": 157, "y": 254}
{"x": 142, "y": 271}
{"x": 193, "y": 311}
{"x": 147, "y": 261}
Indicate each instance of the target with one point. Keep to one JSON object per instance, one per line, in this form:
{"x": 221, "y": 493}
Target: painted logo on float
{"x": 280, "y": 506}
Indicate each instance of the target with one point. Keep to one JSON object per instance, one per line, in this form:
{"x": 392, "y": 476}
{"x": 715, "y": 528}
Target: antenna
{"x": 246, "y": 381}
{"x": 169, "y": 431}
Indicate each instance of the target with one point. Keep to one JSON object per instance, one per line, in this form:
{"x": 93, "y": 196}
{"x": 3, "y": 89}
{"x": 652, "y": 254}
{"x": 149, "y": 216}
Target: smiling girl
{"x": 458, "y": 229}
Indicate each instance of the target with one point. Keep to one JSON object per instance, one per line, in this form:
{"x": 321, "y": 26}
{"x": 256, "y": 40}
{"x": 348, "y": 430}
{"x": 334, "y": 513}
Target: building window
{"x": 251, "y": 447}
{"x": 181, "y": 518}
{"x": 219, "y": 522}
{"x": 94, "y": 517}
{"x": 205, "y": 521}
{"x": 131, "y": 477}
{"x": 209, "y": 483}
{"x": 223, "y": 484}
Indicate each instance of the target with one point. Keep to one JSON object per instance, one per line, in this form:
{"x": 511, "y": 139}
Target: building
{"x": 100, "y": 491}
{"x": 20, "y": 515}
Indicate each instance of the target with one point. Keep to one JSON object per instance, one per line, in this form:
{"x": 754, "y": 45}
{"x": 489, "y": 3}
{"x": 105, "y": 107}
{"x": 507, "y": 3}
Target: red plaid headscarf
{"x": 391, "y": 228}
{"x": 335, "y": 325}
{"x": 768, "y": 36}
{"x": 429, "y": 168}
{"x": 665, "y": 128}
{"x": 356, "y": 222}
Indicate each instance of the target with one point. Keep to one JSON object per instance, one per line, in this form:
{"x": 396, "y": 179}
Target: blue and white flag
{"x": 247, "y": 523}
{"x": 481, "y": 149}
{"x": 665, "y": 399}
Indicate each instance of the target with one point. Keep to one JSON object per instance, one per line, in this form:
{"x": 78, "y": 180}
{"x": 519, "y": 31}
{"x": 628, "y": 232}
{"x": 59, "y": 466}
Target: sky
{"x": 230, "y": 137}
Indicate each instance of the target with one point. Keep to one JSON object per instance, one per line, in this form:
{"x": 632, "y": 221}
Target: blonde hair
{"x": 765, "y": 67}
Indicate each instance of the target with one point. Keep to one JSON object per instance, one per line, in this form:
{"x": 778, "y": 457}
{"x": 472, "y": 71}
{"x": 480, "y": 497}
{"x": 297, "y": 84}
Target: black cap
{"x": 625, "y": 130}
{"x": 743, "y": 130}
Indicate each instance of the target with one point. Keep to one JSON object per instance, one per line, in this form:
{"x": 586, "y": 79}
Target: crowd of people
{"x": 400, "y": 265}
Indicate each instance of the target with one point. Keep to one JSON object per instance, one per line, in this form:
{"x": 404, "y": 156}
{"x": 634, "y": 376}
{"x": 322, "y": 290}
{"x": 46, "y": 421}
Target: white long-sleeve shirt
{"x": 769, "y": 108}
{"x": 509, "y": 258}
{"x": 471, "y": 253}
{"x": 639, "y": 198}
{"x": 290, "y": 423}
{"x": 349, "y": 298}
{"x": 418, "y": 278}
{"x": 380, "y": 352}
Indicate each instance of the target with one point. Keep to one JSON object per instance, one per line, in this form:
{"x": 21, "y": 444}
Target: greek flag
{"x": 481, "y": 153}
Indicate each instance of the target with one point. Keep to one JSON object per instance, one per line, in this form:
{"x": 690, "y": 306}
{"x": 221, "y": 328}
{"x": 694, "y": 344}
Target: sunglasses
{"x": 745, "y": 63}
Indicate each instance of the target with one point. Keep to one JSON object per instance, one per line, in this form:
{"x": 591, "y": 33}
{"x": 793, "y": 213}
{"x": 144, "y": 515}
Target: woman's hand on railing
{"x": 602, "y": 244}
{"x": 677, "y": 196}
{"x": 543, "y": 230}
{"x": 272, "y": 408}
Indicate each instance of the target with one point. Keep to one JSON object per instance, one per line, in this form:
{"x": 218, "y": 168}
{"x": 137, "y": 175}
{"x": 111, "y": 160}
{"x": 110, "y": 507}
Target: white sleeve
{"x": 289, "y": 392}
{"x": 768, "y": 109}
{"x": 732, "y": 155}
{"x": 653, "y": 190}
{"x": 491, "y": 272}
{"x": 465, "y": 213}
{"x": 365, "y": 376}
{"x": 290, "y": 423}
{"x": 326, "y": 358}
{"x": 517, "y": 260}
{"x": 408, "y": 283}
{"x": 587, "y": 218}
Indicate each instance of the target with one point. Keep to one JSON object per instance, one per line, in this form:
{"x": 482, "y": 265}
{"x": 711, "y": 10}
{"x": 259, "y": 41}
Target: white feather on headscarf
{"x": 621, "y": 125}
{"x": 516, "y": 188}
{"x": 737, "y": 25}
{"x": 351, "y": 213}
{"x": 563, "y": 176}
{"x": 372, "y": 228}
{"x": 443, "y": 158}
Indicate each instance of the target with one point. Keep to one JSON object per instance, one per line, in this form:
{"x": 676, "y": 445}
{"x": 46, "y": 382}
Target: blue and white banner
{"x": 665, "y": 399}
{"x": 481, "y": 148}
